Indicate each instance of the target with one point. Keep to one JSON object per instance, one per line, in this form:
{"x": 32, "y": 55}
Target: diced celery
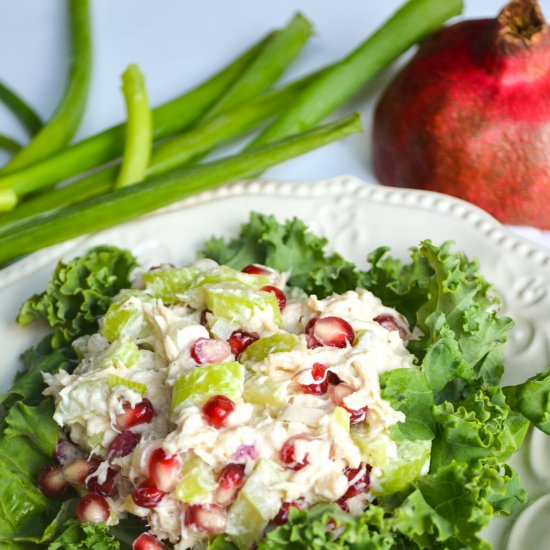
{"x": 342, "y": 418}
{"x": 262, "y": 390}
{"x": 240, "y": 304}
{"x": 260, "y": 349}
{"x": 198, "y": 480}
{"x": 401, "y": 470}
{"x": 196, "y": 386}
{"x": 122, "y": 351}
{"x": 372, "y": 446}
{"x": 224, "y": 274}
{"x": 114, "y": 380}
{"x": 125, "y": 317}
{"x": 256, "y": 505}
{"x": 170, "y": 284}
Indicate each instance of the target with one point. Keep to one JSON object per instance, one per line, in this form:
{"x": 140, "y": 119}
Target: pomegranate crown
{"x": 520, "y": 25}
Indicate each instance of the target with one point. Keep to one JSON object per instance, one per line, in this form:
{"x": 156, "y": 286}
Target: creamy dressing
{"x": 87, "y": 405}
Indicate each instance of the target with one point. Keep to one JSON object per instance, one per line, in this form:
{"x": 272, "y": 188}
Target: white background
{"x": 177, "y": 43}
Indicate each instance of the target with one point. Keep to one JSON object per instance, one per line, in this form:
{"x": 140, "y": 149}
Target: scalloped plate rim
{"x": 483, "y": 222}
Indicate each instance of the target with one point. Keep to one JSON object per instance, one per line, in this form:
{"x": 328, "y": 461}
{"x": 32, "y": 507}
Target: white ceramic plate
{"x": 356, "y": 218}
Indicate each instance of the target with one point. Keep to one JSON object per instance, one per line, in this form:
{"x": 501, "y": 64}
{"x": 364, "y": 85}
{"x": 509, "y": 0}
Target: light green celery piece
{"x": 138, "y": 128}
{"x": 224, "y": 274}
{"x": 260, "y": 349}
{"x": 170, "y": 284}
{"x": 198, "y": 481}
{"x": 240, "y": 304}
{"x": 114, "y": 380}
{"x": 373, "y": 448}
{"x": 398, "y": 471}
{"x": 121, "y": 352}
{"x": 196, "y": 386}
{"x": 255, "y": 506}
{"x": 124, "y": 318}
{"x": 262, "y": 390}
{"x": 342, "y": 418}
{"x": 195, "y": 296}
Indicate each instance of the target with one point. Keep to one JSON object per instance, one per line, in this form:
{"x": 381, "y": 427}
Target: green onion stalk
{"x": 60, "y": 129}
{"x": 127, "y": 203}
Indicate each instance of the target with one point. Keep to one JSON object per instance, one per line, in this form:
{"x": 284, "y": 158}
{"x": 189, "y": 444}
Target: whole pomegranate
{"x": 470, "y": 116}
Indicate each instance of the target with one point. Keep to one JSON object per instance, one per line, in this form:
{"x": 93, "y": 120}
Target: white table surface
{"x": 177, "y": 43}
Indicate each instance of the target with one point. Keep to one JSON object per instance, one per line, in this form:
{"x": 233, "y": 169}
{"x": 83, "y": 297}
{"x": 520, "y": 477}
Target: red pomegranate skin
{"x": 470, "y": 116}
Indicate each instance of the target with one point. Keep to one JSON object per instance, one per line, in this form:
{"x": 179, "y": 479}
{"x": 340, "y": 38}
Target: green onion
{"x": 66, "y": 119}
{"x": 168, "y": 119}
{"x": 173, "y": 153}
{"x": 9, "y": 144}
{"x": 131, "y": 202}
{"x": 414, "y": 20}
{"x": 269, "y": 65}
{"x": 8, "y": 199}
{"x": 20, "y": 109}
{"x": 137, "y": 148}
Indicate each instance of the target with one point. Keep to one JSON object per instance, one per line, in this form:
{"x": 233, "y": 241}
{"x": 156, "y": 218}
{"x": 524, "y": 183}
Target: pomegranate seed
{"x": 279, "y": 294}
{"x": 343, "y": 504}
{"x": 246, "y": 452}
{"x": 333, "y": 378}
{"x": 206, "y": 351}
{"x": 142, "y": 413}
{"x": 334, "y": 332}
{"x": 164, "y": 470}
{"x": 319, "y": 374}
{"x": 217, "y": 409}
{"x": 240, "y": 340}
{"x": 389, "y": 322}
{"x": 147, "y": 495}
{"x": 107, "y": 488}
{"x": 146, "y": 541}
{"x": 66, "y": 452}
{"x": 92, "y": 509}
{"x": 339, "y": 393}
{"x": 357, "y": 415}
{"x": 282, "y": 515}
{"x": 208, "y": 518}
{"x": 359, "y": 479}
{"x": 310, "y": 325}
{"x": 311, "y": 341}
{"x": 287, "y": 454}
{"x": 230, "y": 480}
{"x": 123, "y": 444}
{"x": 76, "y": 472}
{"x": 52, "y": 482}
{"x": 257, "y": 269}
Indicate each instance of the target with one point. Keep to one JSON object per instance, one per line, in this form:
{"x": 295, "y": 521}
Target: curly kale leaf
{"x": 480, "y": 426}
{"x": 288, "y": 247}
{"x": 85, "y": 536}
{"x": 532, "y": 400}
{"x": 79, "y": 292}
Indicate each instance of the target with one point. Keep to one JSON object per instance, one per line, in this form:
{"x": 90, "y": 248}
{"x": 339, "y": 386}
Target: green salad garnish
{"x": 453, "y": 398}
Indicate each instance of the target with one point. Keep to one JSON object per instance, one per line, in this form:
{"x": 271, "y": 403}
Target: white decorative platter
{"x": 356, "y": 218}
